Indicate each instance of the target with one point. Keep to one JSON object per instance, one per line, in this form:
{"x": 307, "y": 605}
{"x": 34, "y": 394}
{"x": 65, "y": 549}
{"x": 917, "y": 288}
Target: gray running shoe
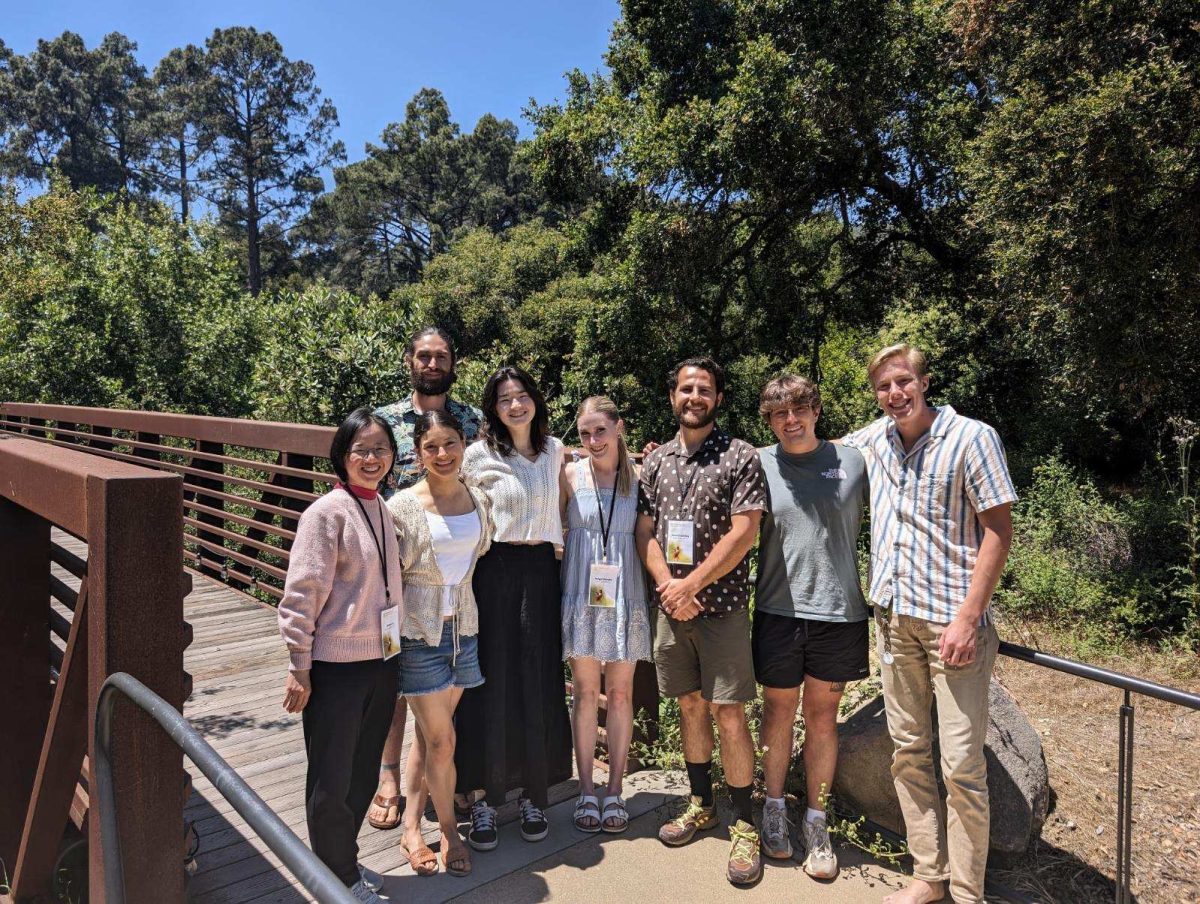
{"x": 360, "y": 892}
{"x": 370, "y": 878}
{"x": 776, "y": 834}
{"x": 820, "y": 862}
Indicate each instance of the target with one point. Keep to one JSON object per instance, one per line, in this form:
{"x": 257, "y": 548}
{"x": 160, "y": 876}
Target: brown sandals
{"x": 423, "y": 860}
{"x": 385, "y": 803}
{"x": 456, "y": 860}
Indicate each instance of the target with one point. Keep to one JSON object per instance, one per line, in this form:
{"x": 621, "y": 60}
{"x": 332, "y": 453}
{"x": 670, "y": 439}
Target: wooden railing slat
{"x": 195, "y": 472}
{"x": 61, "y": 592}
{"x": 62, "y": 556}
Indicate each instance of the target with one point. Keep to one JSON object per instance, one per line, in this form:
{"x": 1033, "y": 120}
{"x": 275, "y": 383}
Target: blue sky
{"x": 370, "y": 57}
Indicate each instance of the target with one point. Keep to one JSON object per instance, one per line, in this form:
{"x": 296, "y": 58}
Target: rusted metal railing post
{"x": 135, "y": 625}
{"x": 25, "y": 696}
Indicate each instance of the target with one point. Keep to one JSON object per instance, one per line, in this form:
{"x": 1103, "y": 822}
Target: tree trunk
{"x": 253, "y": 262}
{"x": 183, "y": 176}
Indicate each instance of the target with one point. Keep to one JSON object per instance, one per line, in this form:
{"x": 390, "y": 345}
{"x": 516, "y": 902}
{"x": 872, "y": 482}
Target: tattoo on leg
{"x": 837, "y": 686}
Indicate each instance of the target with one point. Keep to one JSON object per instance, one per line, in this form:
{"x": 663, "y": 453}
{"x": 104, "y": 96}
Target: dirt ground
{"x": 1076, "y": 858}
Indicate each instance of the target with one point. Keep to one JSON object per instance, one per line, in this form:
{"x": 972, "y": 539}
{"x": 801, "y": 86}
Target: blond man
{"x": 941, "y": 528}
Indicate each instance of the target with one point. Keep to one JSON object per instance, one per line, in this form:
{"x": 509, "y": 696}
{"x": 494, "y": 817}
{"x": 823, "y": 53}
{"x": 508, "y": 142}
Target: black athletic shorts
{"x": 786, "y": 649}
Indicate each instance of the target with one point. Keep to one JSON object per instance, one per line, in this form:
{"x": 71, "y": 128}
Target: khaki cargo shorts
{"x": 710, "y": 655}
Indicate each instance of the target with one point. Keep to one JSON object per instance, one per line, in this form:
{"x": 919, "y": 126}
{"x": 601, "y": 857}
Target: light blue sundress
{"x": 620, "y": 633}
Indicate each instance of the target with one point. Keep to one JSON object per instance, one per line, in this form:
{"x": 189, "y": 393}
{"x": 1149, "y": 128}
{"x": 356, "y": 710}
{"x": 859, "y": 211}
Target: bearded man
{"x": 700, "y": 500}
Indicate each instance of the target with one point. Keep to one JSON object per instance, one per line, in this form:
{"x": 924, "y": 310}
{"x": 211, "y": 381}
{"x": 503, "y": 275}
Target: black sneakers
{"x": 533, "y": 821}
{"x": 483, "y": 835}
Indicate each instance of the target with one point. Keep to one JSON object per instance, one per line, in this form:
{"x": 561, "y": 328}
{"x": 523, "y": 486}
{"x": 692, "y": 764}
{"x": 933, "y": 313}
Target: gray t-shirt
{"x": 806, "y": 560}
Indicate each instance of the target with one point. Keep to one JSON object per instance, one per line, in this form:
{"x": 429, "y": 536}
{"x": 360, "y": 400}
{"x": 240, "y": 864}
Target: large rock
{"x": 1018, "y": 783}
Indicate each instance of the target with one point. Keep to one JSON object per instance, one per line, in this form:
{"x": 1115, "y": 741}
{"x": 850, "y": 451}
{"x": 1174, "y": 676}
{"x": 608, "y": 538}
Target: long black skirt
{"x": 513, "y": 730}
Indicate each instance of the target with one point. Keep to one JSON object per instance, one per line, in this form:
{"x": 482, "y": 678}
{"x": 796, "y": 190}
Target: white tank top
{"x": 454, "y": 540}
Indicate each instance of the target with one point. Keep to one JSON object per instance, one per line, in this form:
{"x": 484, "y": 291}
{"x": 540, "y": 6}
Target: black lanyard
{"x": 612, "y": 505}
{"x": 380, "y": 548}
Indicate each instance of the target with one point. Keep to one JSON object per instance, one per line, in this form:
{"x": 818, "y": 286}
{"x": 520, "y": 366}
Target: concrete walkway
{"x": 570, "y": 866}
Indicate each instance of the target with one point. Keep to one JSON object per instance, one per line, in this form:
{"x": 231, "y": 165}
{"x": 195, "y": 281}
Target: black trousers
{"x": 346, "y": 724}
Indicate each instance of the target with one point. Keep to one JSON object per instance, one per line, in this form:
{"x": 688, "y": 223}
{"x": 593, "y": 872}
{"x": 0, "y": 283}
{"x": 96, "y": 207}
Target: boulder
{"x": 1018, "y": 782}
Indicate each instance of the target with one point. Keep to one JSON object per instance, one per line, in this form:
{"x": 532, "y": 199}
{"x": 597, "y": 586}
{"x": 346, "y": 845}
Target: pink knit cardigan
{"x": 334, "y": 591}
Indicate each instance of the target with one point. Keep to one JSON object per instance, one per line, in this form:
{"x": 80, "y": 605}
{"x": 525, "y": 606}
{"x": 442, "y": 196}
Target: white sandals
{"x": 588, "y": 808}
{"x": 614, "y": 817}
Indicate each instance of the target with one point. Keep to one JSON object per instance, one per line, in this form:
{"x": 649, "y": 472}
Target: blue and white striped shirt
{"x": 925, "y": 532}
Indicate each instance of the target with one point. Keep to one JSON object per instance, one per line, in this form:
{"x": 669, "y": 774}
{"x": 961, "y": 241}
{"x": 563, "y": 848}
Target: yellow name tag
{"x": 389, "y": 629}
{"x": 680, "y": 543}
{"x": 602, "y": 585}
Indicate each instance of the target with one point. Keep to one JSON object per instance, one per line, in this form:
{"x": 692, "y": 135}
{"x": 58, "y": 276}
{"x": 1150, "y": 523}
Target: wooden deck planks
{"x": 238, "y": 663}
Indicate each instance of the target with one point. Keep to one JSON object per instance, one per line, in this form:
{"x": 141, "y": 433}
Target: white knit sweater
{"x": 423, "y": 580}
{"x": 523, "y": 493}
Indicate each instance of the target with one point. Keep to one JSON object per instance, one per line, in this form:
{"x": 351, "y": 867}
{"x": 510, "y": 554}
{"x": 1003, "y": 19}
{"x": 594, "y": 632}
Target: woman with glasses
{"x": 513, "y": 731}
{"x": 339, "y": 616}
{"x": 443, "y": 528}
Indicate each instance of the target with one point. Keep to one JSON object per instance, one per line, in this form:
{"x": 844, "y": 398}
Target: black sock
{"x": 741, "y": 803}
{"x": 700, "y": 778}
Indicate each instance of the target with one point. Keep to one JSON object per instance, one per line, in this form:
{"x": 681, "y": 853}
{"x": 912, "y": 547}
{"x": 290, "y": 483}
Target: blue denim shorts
{"x": 427, "y": 670}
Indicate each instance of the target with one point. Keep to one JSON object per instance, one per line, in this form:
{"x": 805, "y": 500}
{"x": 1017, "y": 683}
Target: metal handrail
{"x": 1130, "y": 685}
{"x": 314, "y": 875}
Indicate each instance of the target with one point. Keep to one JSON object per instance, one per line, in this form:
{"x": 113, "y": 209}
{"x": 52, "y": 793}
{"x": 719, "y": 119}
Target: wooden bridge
{"x": 98, "y": 506}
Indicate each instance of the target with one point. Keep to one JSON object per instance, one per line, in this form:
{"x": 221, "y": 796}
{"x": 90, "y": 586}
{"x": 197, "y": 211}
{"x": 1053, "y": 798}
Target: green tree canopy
{"x": 392, "y": 212}
{"x": 106, "y": 303}
{"x": 81, "y": 111}
{"x": 269, "y": 134}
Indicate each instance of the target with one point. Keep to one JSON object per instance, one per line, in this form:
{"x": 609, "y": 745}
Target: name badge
{"x": 681, "y": 542}
{"x": 602, "y": 585}
{"x": 389, "y": 629}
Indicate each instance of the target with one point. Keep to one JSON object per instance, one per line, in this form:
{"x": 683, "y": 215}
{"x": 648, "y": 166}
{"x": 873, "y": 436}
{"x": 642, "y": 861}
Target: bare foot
{"x": 411, "y": 839}
{"x": 918, "y": 892}
{"x": 388, "y": 790}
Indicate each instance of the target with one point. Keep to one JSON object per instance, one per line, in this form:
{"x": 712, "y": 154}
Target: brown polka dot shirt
{"x": 722, "y": 478}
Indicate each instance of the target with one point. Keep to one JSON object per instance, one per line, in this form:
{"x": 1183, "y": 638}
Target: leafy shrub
{"x": 105, "y": 303}
{"x": 1103, "y": 566}
{"x": 326, "y": 352}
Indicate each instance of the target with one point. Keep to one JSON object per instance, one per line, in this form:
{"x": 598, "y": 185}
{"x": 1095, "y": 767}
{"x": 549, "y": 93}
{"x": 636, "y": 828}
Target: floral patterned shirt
{"x": 402, "y": 417}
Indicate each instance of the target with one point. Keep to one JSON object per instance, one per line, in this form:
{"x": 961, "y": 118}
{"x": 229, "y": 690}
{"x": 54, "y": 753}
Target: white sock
{"x": 776, "y": 803}
{"x": 812, "y": 815}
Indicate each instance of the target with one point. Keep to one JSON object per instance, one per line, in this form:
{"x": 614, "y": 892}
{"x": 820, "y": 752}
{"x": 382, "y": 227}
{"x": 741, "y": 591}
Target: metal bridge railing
{"x": 1130, "y": 685}
{"x": 303, "y": 863}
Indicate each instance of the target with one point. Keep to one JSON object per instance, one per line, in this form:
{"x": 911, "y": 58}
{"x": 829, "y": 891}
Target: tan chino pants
{"x": 947, "y": 841}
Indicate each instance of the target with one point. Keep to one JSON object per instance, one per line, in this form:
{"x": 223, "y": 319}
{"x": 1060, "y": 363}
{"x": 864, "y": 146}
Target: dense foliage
{"x": 780, "y": 184}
